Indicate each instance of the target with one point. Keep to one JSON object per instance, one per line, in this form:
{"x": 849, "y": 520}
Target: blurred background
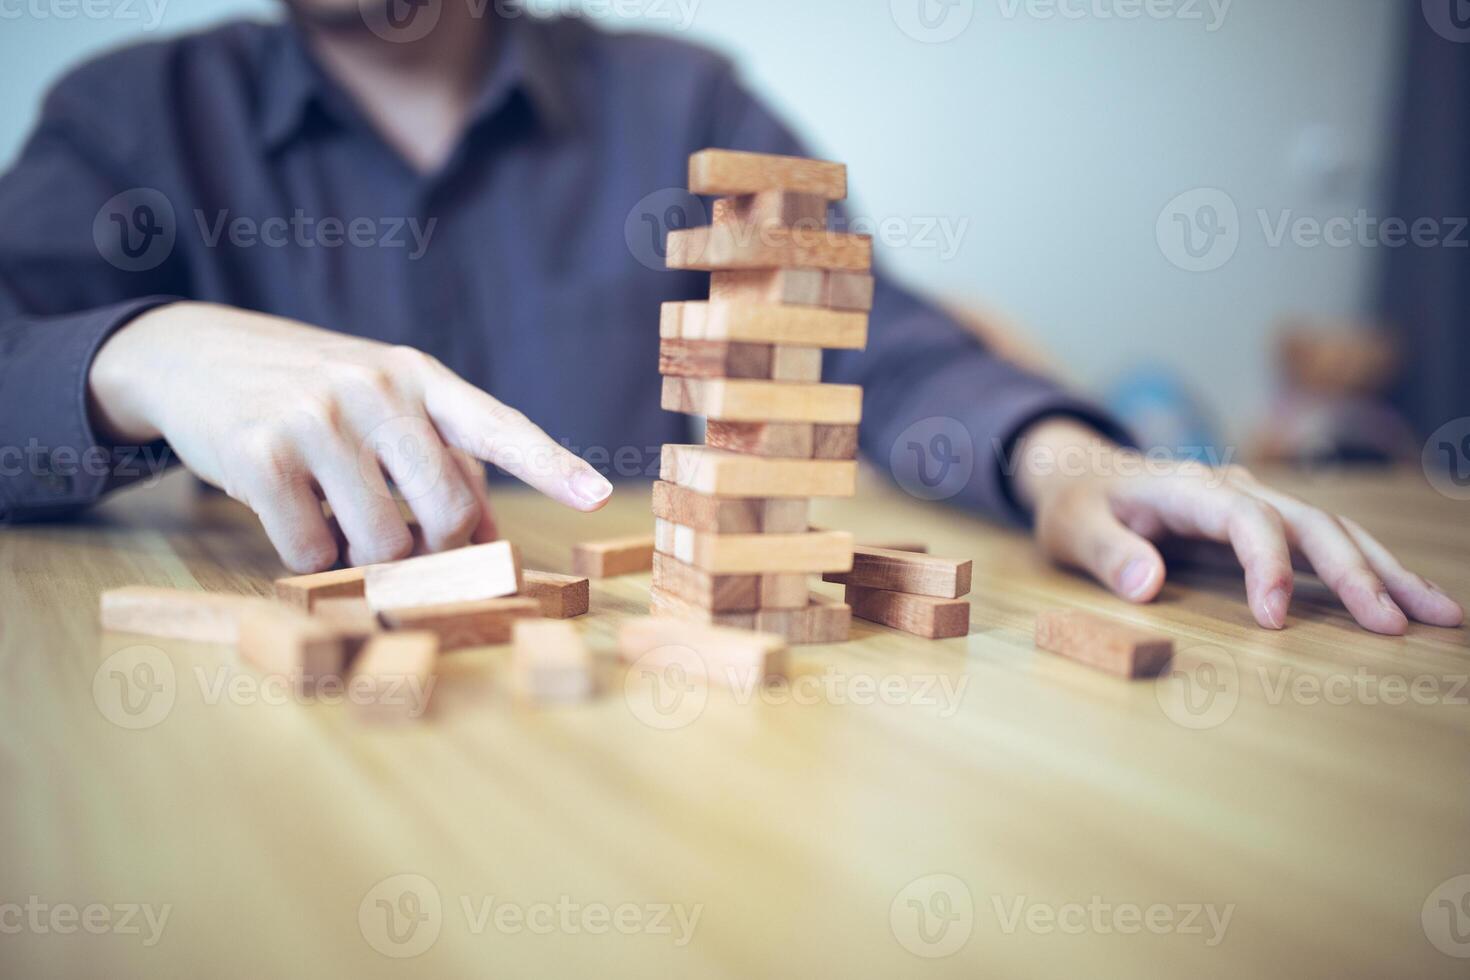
{"x": 1239, "y": 222}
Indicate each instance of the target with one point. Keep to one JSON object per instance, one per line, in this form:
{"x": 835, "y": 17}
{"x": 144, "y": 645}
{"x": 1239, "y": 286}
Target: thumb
{"x": 1082, "y": 531}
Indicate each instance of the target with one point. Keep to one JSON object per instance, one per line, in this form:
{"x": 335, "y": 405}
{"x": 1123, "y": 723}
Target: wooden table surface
{"x": 1280, "y": 804}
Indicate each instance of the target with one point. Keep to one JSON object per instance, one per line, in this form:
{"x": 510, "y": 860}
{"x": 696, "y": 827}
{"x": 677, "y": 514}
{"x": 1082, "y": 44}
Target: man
{"x": 150, "y": 290}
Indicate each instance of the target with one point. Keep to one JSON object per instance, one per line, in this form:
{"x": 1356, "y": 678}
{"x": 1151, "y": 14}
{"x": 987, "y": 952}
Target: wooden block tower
{"x": 733, "y": 545}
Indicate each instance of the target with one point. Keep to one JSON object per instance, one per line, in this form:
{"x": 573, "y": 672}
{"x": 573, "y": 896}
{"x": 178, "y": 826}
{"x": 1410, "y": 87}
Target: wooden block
{"x": 793, "y": 440}
{"x": 715, "y": 359}
{"x": 393, "y": 677}
{"x": 550, "y": 663}
{"x": 921, "y": 615}
{"x": 835, "y": 442}
{"x": 836, "y": 290}
{"x": 726, "y": 172}
{"x": 904, "y": 571}
{"x": 1103, "y": 643}
{"x": 723, "y": 474}
{"x": 614, "y": 556}
{"x": 784, "y": 590}
{"x": 764, "y": 323}
{"x": 466, "y": 624}
{"x": 561, "y": 596}
{"x": 482, "y": 571}
{"x": 304, "y": 590}
{"x": 731, "y": 657}
{"x": 727, "y": 593}
{"x": 772, "y": 208}
{"x": 799, "y": 364}
{"x": 350, "y": 618}
{"x": 729, "y": 515}
{"x": 664, "y": 603}
{"x": 283, "y": 641}
{"x": 178, "y": 614}
{"x": 763, "y": 401}
{"x": 822, "y": 620}
{"x": 754, "y": 554}
{"x": 721, "y": 247}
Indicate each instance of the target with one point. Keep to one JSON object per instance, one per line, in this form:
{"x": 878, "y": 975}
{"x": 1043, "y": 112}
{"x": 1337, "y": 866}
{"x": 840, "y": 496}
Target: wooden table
{"x": 901, "y": 799}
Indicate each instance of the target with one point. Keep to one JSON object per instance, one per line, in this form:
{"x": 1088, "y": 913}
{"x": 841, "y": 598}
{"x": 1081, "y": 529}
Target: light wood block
{"x": 614, "y": 556}
{"x": 921, "y": 615}
{"x": 728, "y": 593}
{"x": 852, "y": 291}
{"x": 350, "y": 618}
{"x": 904, "y": 571}
{"x": 821, "y": 620}
{"x": 561, "y": 596}
{"x": 802, "y": 365}
{"x": 764, "y": 323}
{"x": 483, "y": 571}
{"x": 178, "y": 614}
{"x": 715, "y": 359}
{"x": 726, "y": 172}
{"x": 792, "y": 440}
{"x": 771, "y": 208}
{"x": 550, "y": 663}
{"x": 784, "y": 590}
{"x": 723, "y": 474}
{"x": 662, "y": 602}
{"x": 393, "y": 678}
{"x": 722, "y": 247}
{"x": 305, "y": 590}
{"x": 729, "y": 515}
{"x": 283, "y": 641}
{"x": 730, "y": 657}
{"x": 466, "y": 624}
{"x": 1110, "y": 646}
{"x": 763, "y": 401}
{"x": 737, "y": 554}
{"x": 835, "y": 442}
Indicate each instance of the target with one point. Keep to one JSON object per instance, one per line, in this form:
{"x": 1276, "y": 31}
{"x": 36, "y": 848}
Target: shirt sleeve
{"x": 940, "y": 412}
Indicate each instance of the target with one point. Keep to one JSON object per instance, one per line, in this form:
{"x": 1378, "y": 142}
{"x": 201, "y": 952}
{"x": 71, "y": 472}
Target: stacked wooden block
{"x": 732, "y": 539}
{"x": 917, "y": 593}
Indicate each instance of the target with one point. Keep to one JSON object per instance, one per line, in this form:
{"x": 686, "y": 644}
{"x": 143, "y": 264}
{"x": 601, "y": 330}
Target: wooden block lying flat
{"x": 722, "y": 247}
{"x": 350, "y": 618}
{"x": 819, "y": 620}
{"x": 764, "y": 323}
{"x": 393, "y": 677}
{"x": 921, "y": 615}
{"x": 772, "y": 208}
{"x": 802, "y": 287}
{"x": 615, "y": 556}
{"x": 792, "y": 440}
{"x": 754, "y": 554}
{"x": 561, "y": 596}
{"x": 550, "y": 663}
{"x": 282, "y": 641}
{"x": 482, "y": 571}
{"x": 179, "y": 614}
{"x": 466, "y": 624}
{"x": 725, "y": 172}
{"x": 729, "y": 515}
{"x": 714, "y": 471}
{"x": 763, "y": 401}
{"x": 714, "y": 359}
{"x": 305, "y": 590}
{"x": 734, "y": 658}
{"x": 1117, "y": 648}
{"x": 905, "y": 571}
{"x": 728, "y": 593}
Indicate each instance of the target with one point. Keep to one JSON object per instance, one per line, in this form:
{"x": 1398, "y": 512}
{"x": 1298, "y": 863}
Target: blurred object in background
{"x": 1333, "y": 406}
{"x": 1162, "y": 413}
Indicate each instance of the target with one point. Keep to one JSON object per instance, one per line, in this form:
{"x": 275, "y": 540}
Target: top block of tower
{"x": 730, "y": 172}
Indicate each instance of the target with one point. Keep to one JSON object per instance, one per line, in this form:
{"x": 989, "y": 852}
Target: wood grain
{"x": 724, "y": 247}
{"x": 725, "y": 172}
{"x": 560, "y": 596}
{"x": 714, "y": 471}
{"x": 920, "y": 615}
{"x": 764, "y": 323}
{"x": 1108, "y": 645}
{"x": 738, "y": 554}
{"x": 764, "y": 401}
{"x": 612, "y": 557}
{"x": 728, "y": 515}
{"x": 305, "y": 591}
{"x": 771, "y": 208}
{"x": 482, "y": 571}
{"x": 460, "y": 625}
{"x": 905, "y": 571}
{"x": 850, "y": 291}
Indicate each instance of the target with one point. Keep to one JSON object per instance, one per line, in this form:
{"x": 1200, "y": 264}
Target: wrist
{"x": 1054, "y": 452}
{"x": 124, "y": 371}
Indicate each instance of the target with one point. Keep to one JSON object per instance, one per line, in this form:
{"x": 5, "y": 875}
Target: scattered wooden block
{"x": 737, "y": 554}
{"x": 802, "y": 287}
{"x": 903, "y": 571}
{"x": 550, "y": 662}
{"x": 733, "y": 658}
{"x": 921, "y": 615}
{"x": 729, "y": 514}
{"x": 178, "y": 614}
{"x": 483, "y": 571}
{"x": 1114, "y": 647}
{"x": 393, "y": 677}
{"x": 714, "y": 471}
{"x": 304, "y": 591}
{"x": 721, "y": 247}
{"x": 772, "y": 208}
{"x": 561, "y": 596}
{"x": 615, "y": 556}
{"x": 465, "y": 624}
{"x": 350, "y": 618}
{"x": 282, "y": 641}
{"x": 764, "y": 323}
{"x": 725, "y": 172}
{"x": 763, "y": 401}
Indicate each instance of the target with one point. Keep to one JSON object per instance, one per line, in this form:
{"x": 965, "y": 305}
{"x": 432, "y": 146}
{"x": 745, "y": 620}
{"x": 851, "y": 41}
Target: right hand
{"x": 281, "y": 415}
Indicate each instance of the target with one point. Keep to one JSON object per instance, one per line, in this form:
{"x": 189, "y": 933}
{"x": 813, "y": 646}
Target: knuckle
{"x": 406, "y": 358}
{"x": 319, "y": 415}
{"x": 270, "y": 461}
{"x": 374, "y": 379}
{"x": 388, "y": 539}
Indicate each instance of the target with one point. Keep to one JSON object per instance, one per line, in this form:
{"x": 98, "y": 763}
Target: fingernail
{"x": 1135, "y": 578}
{"x": 591, "y": 486}
{"x": 1276, "y": 604}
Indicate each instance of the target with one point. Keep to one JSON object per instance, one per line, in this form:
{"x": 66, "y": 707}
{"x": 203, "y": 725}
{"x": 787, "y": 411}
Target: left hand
{"x": 1105, "y": 519}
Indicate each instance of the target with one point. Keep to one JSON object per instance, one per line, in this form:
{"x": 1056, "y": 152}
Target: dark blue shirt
{"x": 226, "y": 167}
